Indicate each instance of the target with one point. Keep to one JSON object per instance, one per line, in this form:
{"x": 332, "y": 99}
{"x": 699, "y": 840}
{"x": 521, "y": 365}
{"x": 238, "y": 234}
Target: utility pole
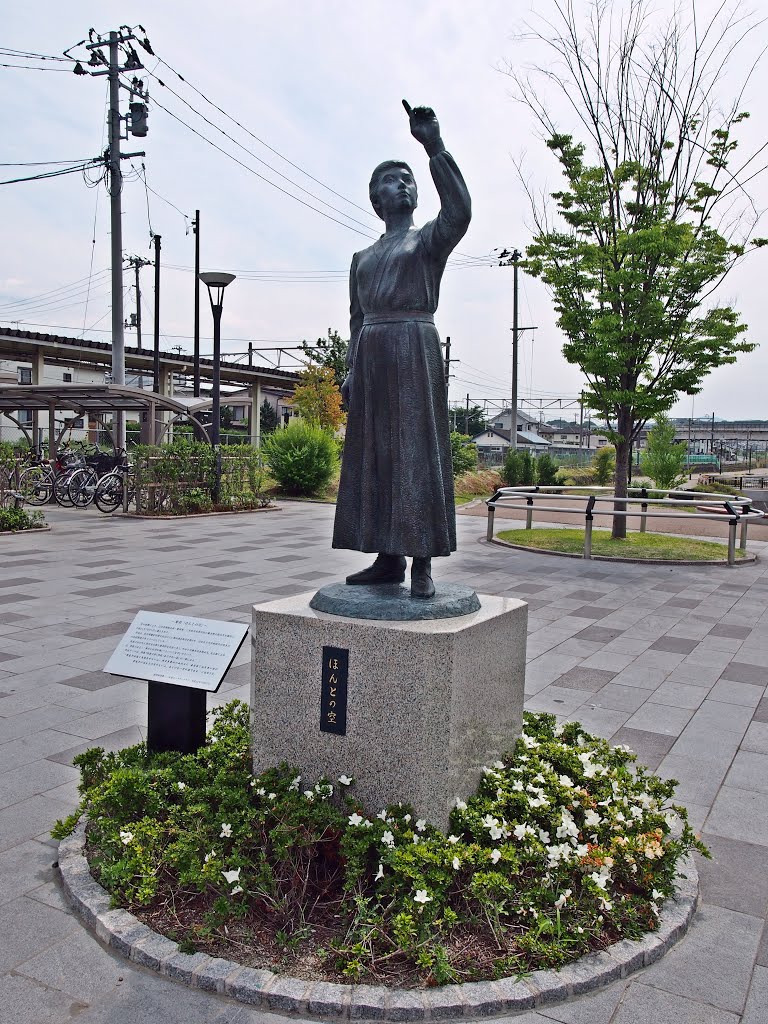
{"x": 447, "y": 363}
{"x": 137, "y": 118}
{"x": 156, "y": 359}
{"x": 196, "y": 350}
{"x": 137, "y": 262}
{"x": 507, "y": 258}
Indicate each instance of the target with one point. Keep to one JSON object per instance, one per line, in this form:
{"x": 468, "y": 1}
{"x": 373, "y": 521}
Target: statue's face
{"x": 396, "y": 192}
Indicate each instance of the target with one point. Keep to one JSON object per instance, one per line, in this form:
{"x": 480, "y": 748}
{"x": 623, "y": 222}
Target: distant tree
{"x": 226, "y": 416}
{"x": 654, "y": 212}
{"x": 330, "y": 352}
{"x": 604, "y": 465}
{"x": 318, "y": 399}
{"x": 546, "y": 470}
{"x": 470, "y": 421}
{"x": 664, "y": 460}
{"x": 268, "y": 418}
{"x": 464, "y": 455}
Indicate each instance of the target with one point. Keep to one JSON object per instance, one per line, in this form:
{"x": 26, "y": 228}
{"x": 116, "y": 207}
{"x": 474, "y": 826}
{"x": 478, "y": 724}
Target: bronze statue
{"x": 396, "y": 491}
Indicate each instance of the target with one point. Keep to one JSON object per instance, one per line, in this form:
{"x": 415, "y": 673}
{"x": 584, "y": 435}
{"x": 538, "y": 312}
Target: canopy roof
{"x": 97, "y": 398}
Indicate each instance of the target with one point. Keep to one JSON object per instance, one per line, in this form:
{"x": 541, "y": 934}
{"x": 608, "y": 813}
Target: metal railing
{"x": 737, "y": 511}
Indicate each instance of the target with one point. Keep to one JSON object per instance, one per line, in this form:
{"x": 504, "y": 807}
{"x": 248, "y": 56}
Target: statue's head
{"x": 392, "y": 188}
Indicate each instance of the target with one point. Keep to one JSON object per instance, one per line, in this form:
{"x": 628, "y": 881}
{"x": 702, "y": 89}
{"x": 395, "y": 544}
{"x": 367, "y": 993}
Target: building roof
{"x": 58, "y": 348}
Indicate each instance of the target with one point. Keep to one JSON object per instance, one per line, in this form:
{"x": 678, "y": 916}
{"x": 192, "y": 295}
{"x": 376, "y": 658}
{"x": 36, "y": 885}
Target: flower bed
{"x": 568, "y": 846}
{"x": 13, "y": 520}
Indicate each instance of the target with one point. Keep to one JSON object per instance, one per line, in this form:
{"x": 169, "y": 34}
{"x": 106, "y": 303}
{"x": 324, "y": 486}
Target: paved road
{"x": 673, "y": 662}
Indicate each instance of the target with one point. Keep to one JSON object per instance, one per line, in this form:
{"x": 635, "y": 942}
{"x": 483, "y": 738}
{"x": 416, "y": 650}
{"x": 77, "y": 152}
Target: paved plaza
{"x": 670, "y": 660}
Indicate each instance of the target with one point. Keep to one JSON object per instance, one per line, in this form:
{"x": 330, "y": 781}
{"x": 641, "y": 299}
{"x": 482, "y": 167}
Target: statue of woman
{"x": 396, "y": 490}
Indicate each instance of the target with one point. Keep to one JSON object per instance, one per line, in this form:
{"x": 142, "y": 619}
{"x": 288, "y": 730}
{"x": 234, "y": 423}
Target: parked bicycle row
{"x": 80, "y": 475}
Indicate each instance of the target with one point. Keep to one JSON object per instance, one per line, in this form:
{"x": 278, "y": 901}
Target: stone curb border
{"x": 124, "y": 933}
{"x": 197, "y": 515}
{"x": 22, "y": 533}
{"x": 748, "y": 559}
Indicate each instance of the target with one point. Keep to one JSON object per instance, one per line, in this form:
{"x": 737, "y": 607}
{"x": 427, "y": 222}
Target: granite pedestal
{"x": 428, "y": 702}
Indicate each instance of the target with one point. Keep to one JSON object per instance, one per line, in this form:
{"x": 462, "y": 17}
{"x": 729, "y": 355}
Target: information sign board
{"x": 177, "y": 649}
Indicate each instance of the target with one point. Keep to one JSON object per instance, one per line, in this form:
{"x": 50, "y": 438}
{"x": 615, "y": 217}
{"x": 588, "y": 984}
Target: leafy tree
{"x": 471, "y": 421}
{"x": 268, "y": 418}
{"x": 604, "y": 465}
{"x": 652, "y": 215}
{"x": 664, "y": 461}
{"x": 330, "y": 352}
{"x": 464, "y": 455}
{"x": 519, "y": 469}
{"x": 546, "y": 470}
{"x": 226, "y": 416}
{"x": 318, "y": 398}
{"x": 302, "y": 457}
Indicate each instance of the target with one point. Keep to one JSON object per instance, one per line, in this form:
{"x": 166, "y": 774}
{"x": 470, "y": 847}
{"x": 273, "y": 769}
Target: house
{"x": 492, "y": 444}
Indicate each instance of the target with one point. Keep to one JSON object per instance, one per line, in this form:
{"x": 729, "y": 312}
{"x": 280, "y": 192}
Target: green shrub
{"x": 464, "y": 455}
{"x": 576, "y": 477}
{"x": 20, "y": 519}
{"x": 302, "y": 458}
{"x": 664, "y": 460}
{"x": 567, "y": 845}
{"x": 519, "y": 469}
{"x": 604, "y": 464}
{"x": 546, "y": 470}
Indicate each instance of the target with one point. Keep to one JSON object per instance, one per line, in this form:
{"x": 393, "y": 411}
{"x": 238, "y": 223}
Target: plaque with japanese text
{"x": 177, "y": 649}
{"x": 333, "y": 693}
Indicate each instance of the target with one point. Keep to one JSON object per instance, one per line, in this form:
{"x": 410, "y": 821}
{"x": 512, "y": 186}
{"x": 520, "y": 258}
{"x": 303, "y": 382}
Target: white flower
{"x": 181, "y": 785}
{"x": 406, "y": 818}
{"x": 517, "y": 786}
{"x": 260, "y": 791}
{"x": 656, "y": 895}
{"x": 599, "y": 879}
{"x": 558, "y": 730}
{"x": 605, "y": 904}
{"x": 421, "y": 825}
{"x": 379, "y": 873}
{"x": 388, "y": 839}
{"x": 209, "y": 856}
{"x": 562, "y": 899}
{"x": 579, "y": 929}
{"x": 309, "y": 794}
{"x": 495, "y": 832}
{"x": 495, "y": 856}
{"x": 295, "y": 784}
{"x": 236, "y": 890}
{"x": 566, "y": 781}
{"x": 422, "y": 897}
{"x": 461, "y": 805}
{"x": 367, "y": 823}
{"x": 126, "y": 837}
{"x": 544, "y": 836}
{"x": 271, "y": 796}
{"x": 382, "y": 814}
{"x": 581, "y": 850}
{"x": 345, "y": 780}
{"x": 416, "y": 840}
{"x": 592, "y": 818}
{"x": 232, "y": 876}
{"x": 453, "y": 839}
{"x": 226, "y": 830}
{"x": 528, "y": 741}
{"x": 355, "y": 819}
{"x": 498, "y": 765}
{"x": 456, "y": 863}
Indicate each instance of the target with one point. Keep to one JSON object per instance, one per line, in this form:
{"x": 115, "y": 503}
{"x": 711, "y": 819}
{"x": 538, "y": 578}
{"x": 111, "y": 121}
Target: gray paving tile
{"x": 33, "y": 779}
{"x": 27, "y": 927}
{"x": 714, "y": 963}
{"x": 740, "y": 814}
{"x": 678, "y": 695}
{"x": 92, "y": 681}
{"x": 761, "y": 711}
{"x": 650, "y": 747}
{"x": 98, "y": 632}
{"x": 28, "y": 1002}
{"x": 24, "y": 868}
{"x": 59, "y": 967}
{"x": 602, "y": 722}
{"x": 736, "y": 877}
{"x": 619, "y": 698}
{"x": 740, "y": 672}
{"x": 756, "y": 738}
{"x": 762, "y": 950}
{"x": 112, "y": 741}
{"x": 644, "y": 1004}
{"x": 597, "y": 1008}
{"x": 749, "y": 771}
{"x": 756, "y": 1010}
{"x": 729, "y": 692}
{"x": 580, "y": 678}
{"x": 733, "y": 631}
{"x": 674, "y": 644}
{"x": 669, "y": 721}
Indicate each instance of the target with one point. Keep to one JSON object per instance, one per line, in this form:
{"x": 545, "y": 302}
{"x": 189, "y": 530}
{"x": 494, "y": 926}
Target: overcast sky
{"x": 320, "y": 81}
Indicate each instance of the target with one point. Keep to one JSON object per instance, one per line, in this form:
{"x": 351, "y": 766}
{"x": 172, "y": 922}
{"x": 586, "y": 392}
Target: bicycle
{"x": 110, "y": 489}
{"x": 82, "y": 483}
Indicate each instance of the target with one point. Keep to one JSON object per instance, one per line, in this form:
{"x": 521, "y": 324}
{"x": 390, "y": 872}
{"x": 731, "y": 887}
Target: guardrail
{"x": 737, "y": 509}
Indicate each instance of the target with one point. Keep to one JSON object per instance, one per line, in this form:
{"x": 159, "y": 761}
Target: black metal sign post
{"x": 183, "y": 660}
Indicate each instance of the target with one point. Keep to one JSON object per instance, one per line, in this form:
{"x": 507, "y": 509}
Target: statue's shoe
{"x": 421, "y": 580}
{"x": 386, "y": 569}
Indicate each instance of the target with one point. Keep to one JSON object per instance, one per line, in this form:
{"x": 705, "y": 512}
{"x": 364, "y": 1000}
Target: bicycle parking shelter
{"x": 96, "y": 401}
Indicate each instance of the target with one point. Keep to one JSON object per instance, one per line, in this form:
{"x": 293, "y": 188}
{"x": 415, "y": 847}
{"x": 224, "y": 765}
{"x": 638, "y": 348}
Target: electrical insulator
{"x": 139, "y": 115}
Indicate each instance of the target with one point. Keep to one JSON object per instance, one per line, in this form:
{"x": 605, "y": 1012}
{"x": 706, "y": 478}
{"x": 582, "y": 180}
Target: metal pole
{"x": 529, "y": 514}
{"x": 216, "y": 403}
{"x": 447, "y": 363}
{"x": 466, "y": 418}
{"x": 196, "y": 356}
{"x": 588, "y": 536}
{"x": 489, "y": 526}
{"x": 515, "y": 335}
{"x": 743, "y": 543}
{"x": 732, "y": 541}
{"x": 581, "y": 429}
{"x": 116, "y": 227}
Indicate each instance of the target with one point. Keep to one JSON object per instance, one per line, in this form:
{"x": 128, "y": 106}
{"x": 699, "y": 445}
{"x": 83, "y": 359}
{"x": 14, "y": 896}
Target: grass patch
{"x": 636, "y": 545}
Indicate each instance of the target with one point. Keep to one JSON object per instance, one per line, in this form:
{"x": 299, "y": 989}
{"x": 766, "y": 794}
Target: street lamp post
{"x": 216, "y": 282}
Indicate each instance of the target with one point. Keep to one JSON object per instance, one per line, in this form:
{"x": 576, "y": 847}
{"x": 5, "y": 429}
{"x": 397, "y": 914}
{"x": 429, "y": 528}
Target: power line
{"x": 54, "y": 174}
{"x": 9, "y": 51}
{"x": 28, "y": 67}
{"x": 256, "y": 173}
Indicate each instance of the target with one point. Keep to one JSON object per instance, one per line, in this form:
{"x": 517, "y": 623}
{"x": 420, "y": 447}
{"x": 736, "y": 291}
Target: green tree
{"x": 331, "y": 352}
{"x": 652, "y": 216}
{"x": 604, "y": 465}
{"x": 664, "y": 460}
{"x": 268, "y": 418}
{"x": 519, "y": 469}
{"x": 470, "y": 421}
{"x": 546, "y": 470}
{"x": 463, "y": 454}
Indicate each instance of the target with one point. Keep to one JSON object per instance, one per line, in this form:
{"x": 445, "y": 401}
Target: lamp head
{"x": 216, "y": 281}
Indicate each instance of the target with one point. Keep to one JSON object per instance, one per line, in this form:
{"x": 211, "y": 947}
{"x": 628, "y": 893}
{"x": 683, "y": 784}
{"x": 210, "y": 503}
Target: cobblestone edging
{"x": 748, "y": 559}
{"x": 125, "y": 934}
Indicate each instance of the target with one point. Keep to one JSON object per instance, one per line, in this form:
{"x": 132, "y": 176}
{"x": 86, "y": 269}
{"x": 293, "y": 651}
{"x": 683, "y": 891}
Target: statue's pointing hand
{"x": 424, "y": 124}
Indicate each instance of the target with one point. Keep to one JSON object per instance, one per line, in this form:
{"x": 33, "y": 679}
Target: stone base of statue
{"x": 412, "y": 709}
